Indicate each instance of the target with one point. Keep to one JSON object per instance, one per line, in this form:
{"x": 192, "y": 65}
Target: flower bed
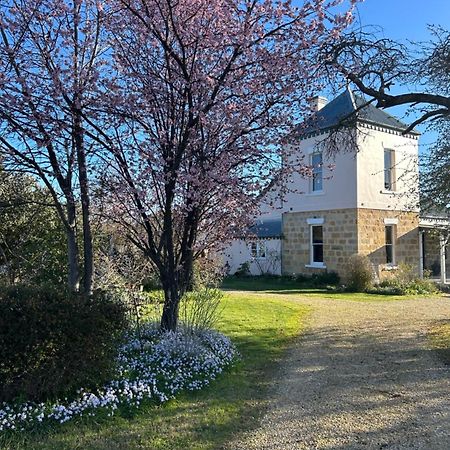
{"x": 151, "y": 365}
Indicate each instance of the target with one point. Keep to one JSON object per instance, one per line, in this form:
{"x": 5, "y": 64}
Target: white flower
{"x": 152, "y": 365}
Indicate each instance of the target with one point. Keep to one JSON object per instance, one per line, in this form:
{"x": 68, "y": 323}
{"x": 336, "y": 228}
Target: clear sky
{"x": 405, "y": 19}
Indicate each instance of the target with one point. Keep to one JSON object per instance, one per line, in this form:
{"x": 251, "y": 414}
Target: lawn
{"x": 261, "y": 327}
{"x": 284, "y": 286}
{"x": 439, "y": 337}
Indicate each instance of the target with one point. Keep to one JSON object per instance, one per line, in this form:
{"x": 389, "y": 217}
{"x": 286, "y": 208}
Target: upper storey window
{"x": 317, "y": 175}
{"x": 389, "y": 171}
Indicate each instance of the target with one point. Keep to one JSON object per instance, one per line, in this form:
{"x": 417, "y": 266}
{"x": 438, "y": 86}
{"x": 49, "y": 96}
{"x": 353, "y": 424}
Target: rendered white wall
{"x": 370, "y": 169}
{"x": 239, "y": 252}
{"x": 339, "y": 184}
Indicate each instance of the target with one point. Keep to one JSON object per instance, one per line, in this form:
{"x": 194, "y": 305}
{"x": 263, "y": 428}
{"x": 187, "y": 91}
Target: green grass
{"x": 285, "y": 286}
{"x": 439, "y": 338}
{"x": 261, "y": 284}
{"x": 261, "y": 326}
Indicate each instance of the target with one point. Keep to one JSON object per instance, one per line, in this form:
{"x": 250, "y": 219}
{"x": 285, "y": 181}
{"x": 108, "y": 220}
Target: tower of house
{"x": 361, "y": 198}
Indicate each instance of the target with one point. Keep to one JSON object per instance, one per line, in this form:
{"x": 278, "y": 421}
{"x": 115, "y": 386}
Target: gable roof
{"x": 350, "y": 106}
{"x": 268, "y": 228}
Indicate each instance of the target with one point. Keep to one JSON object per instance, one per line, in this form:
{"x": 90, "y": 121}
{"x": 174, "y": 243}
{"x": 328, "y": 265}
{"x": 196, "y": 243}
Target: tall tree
{"x": 51, "y": 55}
{"x": 207, "y": 89}
{"x": 435, "y": 174}
{"x": 373, "y": 65}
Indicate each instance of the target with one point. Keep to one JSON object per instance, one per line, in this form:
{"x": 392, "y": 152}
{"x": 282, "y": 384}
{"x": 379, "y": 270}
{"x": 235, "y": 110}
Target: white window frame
{"x": 313, "y": 223}
{"x": 315, "y": 172}
{"x": 392, "y": 227}
{"x": 389, "y": 172}
{"x": 258, "y": 249}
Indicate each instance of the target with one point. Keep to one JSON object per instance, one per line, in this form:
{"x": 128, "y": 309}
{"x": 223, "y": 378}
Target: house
{"x": 361, "y": 198}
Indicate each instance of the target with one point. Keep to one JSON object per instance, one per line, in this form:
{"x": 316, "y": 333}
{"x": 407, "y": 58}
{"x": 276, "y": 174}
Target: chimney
{"x": 317, "y": 103}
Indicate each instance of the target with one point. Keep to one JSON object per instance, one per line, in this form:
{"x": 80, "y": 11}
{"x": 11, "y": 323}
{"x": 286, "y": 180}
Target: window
{"x": 389, "y": 244}
{"x": 316, "y": 244}
{"x": 317, "y": 176}
{"x": 258, "y": 249}
{"x": 389, "y": 175}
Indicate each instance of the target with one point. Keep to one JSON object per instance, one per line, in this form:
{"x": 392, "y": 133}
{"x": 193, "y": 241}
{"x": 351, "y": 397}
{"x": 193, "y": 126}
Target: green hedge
{"x": 52, "y": 343}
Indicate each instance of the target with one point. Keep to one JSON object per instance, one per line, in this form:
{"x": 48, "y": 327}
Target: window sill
{"x": 386, "y": 192}
{"x": 316, "y": 193}
{"x": 389, "y": 267}
{"x": 316, "y": 266}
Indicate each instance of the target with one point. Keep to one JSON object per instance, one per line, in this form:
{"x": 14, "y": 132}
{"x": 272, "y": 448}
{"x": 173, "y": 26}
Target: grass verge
{"x": 261, "y": 327}
{"x": 439, "y": 337}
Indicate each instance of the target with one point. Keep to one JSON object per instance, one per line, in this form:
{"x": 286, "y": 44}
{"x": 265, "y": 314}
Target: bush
{"x": 199, "y": 310}
{"x": 385, "y": 290}
{"x": 51, "y": 343}
{"x": 243, "y": 270}
{"x": 406, "y": 282}
{"x": 358, "y": 274}
{"x": 207, "y": 272}
{"x": 325, "y": 278}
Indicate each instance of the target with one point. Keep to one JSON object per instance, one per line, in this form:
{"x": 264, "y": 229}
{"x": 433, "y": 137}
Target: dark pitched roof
{"x": 346, "y": 106}
{"x": 269, "y": 228}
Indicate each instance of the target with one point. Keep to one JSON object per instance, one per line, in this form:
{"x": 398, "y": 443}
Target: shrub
{"x": 199, "y": 310}
{"x": 243, "y": 270}
{"x": 51, "y": 343}
{"x": 406, "y": 282}
{"x": 325, "y": 278}
{"x": 385, "y": 290}
{"x": 207, "y": 272}
{"x": 358, "y": 274}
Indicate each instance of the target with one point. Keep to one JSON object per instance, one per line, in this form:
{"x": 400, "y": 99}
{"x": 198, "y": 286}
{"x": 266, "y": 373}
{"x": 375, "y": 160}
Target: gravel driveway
{"x": 362, "y": 377}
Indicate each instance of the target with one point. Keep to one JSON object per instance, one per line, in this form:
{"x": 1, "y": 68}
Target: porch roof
{"x": 434, "y": 221}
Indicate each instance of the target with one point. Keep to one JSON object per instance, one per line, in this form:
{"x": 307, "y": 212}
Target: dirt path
{"x": 361, "y": 378}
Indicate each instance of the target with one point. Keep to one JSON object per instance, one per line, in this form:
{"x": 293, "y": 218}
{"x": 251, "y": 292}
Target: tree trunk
{"x": 88, "y": 268}
{"x": 188, "y": 271}
{"x": 175, "y": 285}
{"x": 73, "y": 255}
{"x": 172, "y": 297}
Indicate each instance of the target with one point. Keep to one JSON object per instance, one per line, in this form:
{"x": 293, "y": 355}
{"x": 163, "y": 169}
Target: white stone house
{"x": 361, "y": 199}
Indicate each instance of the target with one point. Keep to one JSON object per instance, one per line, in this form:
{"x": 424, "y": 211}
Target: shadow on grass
{"x": 263, "y": 283}
{"x": 206, "y": 419}
{"x": 285, "y": 286}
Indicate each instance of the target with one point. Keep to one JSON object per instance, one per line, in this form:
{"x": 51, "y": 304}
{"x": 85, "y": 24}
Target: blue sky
{"x": 405, "y": 21}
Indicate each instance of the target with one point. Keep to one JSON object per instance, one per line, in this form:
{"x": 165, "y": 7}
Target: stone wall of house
{"x": 339, "y": 234}
{"x": 371, "y": 237}
{"x": 346, "y": 232}
{"x": 432, "y": 255}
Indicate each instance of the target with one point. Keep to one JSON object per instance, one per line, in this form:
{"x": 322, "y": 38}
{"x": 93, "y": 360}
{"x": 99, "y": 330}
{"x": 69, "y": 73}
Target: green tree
{"x": 32, "y": 240}
{"x": 435, "y": 174}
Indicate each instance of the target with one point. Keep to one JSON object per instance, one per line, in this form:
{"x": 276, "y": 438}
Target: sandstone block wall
{"x": 346, "y": 232}
{"x": 339, "y": 234}
{"x": 371, "y": 237}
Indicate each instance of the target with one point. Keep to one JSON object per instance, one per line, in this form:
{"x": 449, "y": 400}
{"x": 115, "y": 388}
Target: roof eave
{"x": 368, "y": 122}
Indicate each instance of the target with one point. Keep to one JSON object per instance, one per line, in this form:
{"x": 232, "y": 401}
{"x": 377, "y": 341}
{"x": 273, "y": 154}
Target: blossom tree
{"x": 51, "y": 55}
{"x": 206, "y": 91}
